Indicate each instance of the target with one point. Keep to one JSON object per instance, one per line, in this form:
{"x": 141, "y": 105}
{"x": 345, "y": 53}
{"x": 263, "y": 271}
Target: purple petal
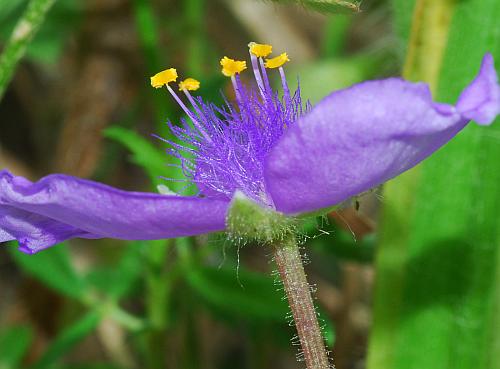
{"x": 480, "y": 101}
{"x": 360, "y": 137}
{"x": 4, "y": 236}
{"x": 59, "y": 207}
{"x": 34, "y": 232}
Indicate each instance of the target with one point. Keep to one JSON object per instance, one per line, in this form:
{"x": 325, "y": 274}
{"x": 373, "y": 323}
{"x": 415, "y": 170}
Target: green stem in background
{"x": 157, "y": 302}
{"x": 21, "y": 36}
{"x": 195, "y": 15}
{"x": 335, "y": 35}
{"x": 428, "y": 38}
{"x": 289, "y": 261}
{"x": 125, "y": 319}
{"x": 159, "y": 281}
{"x": 149, "y": 39}
{"x": 147, "y": 30}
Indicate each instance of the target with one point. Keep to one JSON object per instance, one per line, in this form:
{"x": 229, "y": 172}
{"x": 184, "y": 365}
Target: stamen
{"x": 236, "y": 88}
{"x": 256, "y": 72}
{"x": 265, "y": 78}
{"x": 188, "y": 112}
{"x": 277, "y": 61}
{"x": 198, "y": 111}
{"x": 164, "y": 78}
{"x": 284, "y": 84}
{"x": 192, "y": 101}
{"x": 230, "y": 67}
{"x": 189, "y": 84}
{"x": 223, "y": 149}
{"x": 260, "y": 50}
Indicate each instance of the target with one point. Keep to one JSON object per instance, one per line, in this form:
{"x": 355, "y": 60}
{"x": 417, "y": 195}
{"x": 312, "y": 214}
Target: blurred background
{"x": 80, "y": 103}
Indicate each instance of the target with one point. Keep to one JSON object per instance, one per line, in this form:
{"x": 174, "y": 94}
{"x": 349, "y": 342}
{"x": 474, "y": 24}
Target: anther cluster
{"x": 223, "y": 149}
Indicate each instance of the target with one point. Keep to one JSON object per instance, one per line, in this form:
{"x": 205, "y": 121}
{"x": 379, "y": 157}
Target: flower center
{"x": 223, "y": 149}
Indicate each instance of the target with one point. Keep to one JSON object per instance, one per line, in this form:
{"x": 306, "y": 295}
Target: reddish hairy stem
{"x": 291, "y": 270}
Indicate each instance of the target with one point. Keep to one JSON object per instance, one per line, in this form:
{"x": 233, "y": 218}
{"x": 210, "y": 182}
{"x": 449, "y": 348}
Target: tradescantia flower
{"x": 284, "y": 155}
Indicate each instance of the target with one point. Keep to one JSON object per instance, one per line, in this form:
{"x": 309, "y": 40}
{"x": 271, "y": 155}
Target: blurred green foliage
{"x": 144, "y": 154}
{"x": 54, "y": 269}
{"x": 437, "y": 299}
{"x": 47, "y": 45}
{"x": 67, "y": 339}
{"x": 14, "y": 343}
{"x": 437, "y": 294}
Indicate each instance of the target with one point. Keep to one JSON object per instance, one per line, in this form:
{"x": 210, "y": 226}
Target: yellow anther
{"x": 230, "y": 67}
{"x": 277, "y": 61}
{"x": 189, "y": 84}
{"x": 164, "y": 78}
{"x": 260, "y": 50}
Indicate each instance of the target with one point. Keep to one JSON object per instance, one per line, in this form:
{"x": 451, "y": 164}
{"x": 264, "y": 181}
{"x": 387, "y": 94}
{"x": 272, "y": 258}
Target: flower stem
{"x": 21, "y": 36}
{"x": 288, "y": 259}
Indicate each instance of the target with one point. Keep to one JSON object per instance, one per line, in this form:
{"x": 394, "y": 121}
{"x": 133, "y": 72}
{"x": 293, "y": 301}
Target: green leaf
{"x": 144, "y": 153}
{"x": 53, "y": 268}
{"x": 118, "y": 280}
{"x": 68, "y": 339}
{"x": 437, "y": 301}
{"x": 153, "y": 160}
{"x": 239, "y": 292}
{"x": 14, "y": 343}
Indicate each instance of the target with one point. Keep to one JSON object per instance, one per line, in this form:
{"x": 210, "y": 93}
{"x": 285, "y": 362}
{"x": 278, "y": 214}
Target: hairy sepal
{"x": 250, "y": 221}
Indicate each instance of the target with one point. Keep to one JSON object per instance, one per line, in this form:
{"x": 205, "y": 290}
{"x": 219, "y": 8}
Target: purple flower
{"x": 277, "y": 150}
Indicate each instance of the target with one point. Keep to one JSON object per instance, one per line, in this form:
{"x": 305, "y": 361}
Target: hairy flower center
{"x": 223, "y": 149}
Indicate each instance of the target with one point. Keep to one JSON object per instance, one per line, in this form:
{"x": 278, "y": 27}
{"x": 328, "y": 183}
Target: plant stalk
{"x": 20, "y": 38}
{"x": 289, "y": 261}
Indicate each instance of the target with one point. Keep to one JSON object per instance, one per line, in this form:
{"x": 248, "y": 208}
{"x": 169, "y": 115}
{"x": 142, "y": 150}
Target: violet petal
{"x": 34, "y": 232}
{"x": 480, "y": 101}
{"x": 362, "y": 136}
{"x": 59, "y": 207}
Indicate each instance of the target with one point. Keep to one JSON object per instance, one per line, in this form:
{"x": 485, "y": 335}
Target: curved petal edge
{"x": 59, "y": 207}
{"x": 480, "y": 101}
{"x": 357, "y": 138}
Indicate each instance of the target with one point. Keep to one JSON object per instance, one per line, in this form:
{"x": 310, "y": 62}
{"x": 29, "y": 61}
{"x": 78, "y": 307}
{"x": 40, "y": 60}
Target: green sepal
{"x": 251, "y": 221}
